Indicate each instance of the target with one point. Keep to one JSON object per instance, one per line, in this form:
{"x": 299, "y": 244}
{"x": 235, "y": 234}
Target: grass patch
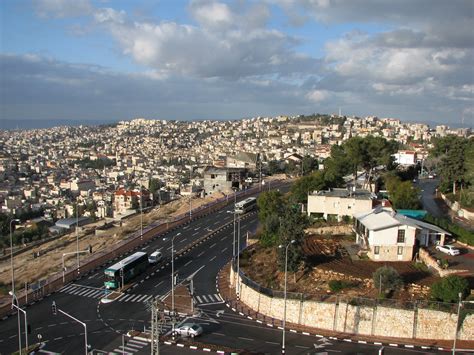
{"x": 421, "y": 267}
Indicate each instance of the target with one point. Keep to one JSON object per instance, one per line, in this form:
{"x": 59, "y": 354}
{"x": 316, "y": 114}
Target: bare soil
{"x": 327, "y": 260}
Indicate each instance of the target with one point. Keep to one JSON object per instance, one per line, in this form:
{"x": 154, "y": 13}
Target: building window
{"x": 401, "y": 236}
{"x": 376, "y": 250}
{"x": 400, "y": 251}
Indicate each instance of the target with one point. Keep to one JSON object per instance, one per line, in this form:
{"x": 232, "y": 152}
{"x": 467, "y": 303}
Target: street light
{"x": 56, "y": 309}
{"x": 141, "y": 213}
{"x": 284, "y": 292}
{"x": 233, "y": 242}
{"x": 172, "y": 275}
{"x": 17, "y": 306}
{"x": 11, "y": 253}
{"x": 77, "y": 235}
{"x": 457, "y": 320}
{"x": 238, "y": 256}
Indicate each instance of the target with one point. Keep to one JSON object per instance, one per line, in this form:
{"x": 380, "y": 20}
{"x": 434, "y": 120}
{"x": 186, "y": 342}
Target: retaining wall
{"x": 375, "y": 320}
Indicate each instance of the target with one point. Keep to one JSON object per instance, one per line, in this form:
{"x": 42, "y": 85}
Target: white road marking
{"x": 212, "y": 258}
{"x": 189, "y": 262}
{"x": 159, "y": 283}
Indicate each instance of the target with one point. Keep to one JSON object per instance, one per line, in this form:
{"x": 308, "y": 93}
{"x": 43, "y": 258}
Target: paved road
{"x": 428, "y": 187}
{"x": 107, "y": 322}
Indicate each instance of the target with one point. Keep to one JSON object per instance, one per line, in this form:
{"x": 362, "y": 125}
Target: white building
{"x": 390, "y": 236}
{"x": 337, "y": 203}
{"x": 405, "y": 157}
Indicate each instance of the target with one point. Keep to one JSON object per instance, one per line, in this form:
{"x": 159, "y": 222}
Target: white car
{"x": 189, "y": 330}
{"x": 448, "y": 249}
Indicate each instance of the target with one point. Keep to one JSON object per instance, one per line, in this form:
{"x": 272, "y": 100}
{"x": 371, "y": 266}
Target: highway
{"x": 107, "y": 322}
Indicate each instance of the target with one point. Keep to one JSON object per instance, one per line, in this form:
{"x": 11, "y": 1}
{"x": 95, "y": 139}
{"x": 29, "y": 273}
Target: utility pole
{"x": 156, "y": 322}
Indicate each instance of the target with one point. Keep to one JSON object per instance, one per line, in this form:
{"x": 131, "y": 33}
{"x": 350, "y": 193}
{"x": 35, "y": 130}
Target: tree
{"x": 403, "y": 194}
{"x": 452, "y": 167}
{"x": 314, "y": 182}
{"x": 448, "y": 288}
{"x": 292, "y": 228}
{"x": 386, "y": 279}
{"x": 270, "y": 203}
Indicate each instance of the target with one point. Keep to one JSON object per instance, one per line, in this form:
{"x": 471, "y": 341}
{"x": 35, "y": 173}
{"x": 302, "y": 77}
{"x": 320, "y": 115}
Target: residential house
{"x": 389, "y": 236}
{"x": 338, "y": 202}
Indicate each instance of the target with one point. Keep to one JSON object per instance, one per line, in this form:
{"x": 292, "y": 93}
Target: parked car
{"x": 448, "y": 249}
{"x": 189, "y": 330}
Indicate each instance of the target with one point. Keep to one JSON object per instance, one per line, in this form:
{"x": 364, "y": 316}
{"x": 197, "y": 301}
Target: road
{"x": 107, "y": 322}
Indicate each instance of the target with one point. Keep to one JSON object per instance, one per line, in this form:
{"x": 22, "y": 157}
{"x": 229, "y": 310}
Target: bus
{"x": 131, "y": 266}
{"x": 246, "y": 205}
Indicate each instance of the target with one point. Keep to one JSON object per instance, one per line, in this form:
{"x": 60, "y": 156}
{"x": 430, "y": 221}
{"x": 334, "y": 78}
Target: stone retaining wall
{"x": 356, "y": 319}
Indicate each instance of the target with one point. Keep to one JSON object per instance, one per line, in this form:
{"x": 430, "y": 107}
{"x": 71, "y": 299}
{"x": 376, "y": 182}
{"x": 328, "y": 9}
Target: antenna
{"x": 339, "y": 112}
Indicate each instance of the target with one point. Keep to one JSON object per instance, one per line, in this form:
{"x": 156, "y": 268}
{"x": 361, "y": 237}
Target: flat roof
{"x": 345, "y": 193}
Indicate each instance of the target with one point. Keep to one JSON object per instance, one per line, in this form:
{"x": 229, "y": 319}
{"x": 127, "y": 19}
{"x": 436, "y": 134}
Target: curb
{"x": 348, "y": 340}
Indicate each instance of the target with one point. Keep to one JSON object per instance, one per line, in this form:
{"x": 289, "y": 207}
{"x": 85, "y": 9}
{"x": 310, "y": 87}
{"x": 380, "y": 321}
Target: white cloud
{"x": 317, "y": 95}
{"x": 202, "y": 51}
{"x": 212, "y": 14}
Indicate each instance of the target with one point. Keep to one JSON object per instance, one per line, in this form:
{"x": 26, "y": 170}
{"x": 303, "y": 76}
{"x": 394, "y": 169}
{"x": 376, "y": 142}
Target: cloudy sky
{"x": 204, "y": 59}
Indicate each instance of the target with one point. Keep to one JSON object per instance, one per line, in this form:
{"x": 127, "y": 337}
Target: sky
{"x": 203, "y": 59}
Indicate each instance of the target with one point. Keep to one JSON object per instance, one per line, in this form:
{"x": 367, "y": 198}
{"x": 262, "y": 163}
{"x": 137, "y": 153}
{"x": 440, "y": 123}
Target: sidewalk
{"x": 229, "y": 296}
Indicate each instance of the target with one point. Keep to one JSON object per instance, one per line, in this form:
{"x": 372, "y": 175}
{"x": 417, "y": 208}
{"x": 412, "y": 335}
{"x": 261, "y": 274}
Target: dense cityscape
{"x": 236, "y": 177}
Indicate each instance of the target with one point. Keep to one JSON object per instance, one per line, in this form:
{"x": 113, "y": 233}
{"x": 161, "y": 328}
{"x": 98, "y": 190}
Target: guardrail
{"x": 55, "y": 282}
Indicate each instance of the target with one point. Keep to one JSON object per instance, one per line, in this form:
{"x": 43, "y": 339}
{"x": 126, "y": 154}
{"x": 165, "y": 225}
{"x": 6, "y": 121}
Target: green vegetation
{"x": 461, "y": 234}
{"x": 387, "y": 280}
{"x": 282, "y": 223}
{"x": 448, "y": 289}
{"x": 338, "y": 285}
{"x": 403, "y": 194}
{"x": 456, "y": 166}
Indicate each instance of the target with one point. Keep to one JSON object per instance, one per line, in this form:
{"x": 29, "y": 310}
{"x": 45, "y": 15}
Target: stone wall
{"x": 361, "y": 319}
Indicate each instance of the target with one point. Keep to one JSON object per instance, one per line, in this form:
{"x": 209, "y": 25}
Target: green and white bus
{"x": 132, "y": 265}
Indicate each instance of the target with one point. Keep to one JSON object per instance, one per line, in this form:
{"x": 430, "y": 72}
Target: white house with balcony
{"x": 390, "y": 236}
{"x": 337, "y": 203}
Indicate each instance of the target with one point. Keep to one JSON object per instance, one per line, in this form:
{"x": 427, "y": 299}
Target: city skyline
{"x": 194, "y": 60}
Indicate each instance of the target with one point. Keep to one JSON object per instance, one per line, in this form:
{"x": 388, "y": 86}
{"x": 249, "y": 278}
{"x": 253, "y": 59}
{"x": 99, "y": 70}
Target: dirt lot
{"x": 29, "y": 269}
{"x": 326, "y": 261}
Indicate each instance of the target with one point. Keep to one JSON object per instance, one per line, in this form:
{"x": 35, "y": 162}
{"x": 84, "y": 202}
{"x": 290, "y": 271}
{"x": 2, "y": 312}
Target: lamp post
{"x": 17, "y": 306}
{"x": 238, "y": 257}
{"x": 457, "y": 320}
{"x": 77, "y": 235}
{"x": 172, "y": 276}
{"x": 78, "y": 321}
{"x": 11, "y": 253}
{"x": 284, "y": 292}
{"x": 141, "y": 213}
{"x": 233, "y": 242}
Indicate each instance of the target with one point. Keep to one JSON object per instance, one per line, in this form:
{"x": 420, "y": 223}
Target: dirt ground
{"x": 327, "y": 260}
{"x": 30, "y": 269}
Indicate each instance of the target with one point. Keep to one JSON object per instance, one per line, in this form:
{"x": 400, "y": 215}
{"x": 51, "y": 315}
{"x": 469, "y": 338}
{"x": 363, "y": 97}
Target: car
{"x": 448, "y": 249}
{"x": 155, "y": 257}
{"x": 189, "y": 330}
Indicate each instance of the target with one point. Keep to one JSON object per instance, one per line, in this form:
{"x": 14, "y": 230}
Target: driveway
{"x": 464, "y": 261}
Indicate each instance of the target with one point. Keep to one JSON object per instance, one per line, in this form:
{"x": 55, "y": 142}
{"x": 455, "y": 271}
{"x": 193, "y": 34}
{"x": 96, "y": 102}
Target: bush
{"x": 448, "y": 288}
{"x": 338, "y": 285}
{"x": 386, "y": 279}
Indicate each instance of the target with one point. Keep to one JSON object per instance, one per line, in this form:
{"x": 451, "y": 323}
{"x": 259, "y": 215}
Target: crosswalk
{"x": 134, "y": 298}
{"x": 131, "y": 346}
{"x": 97, "y": 293}
{"x": 208, "y": 299}
{"x": 78, "y": 290}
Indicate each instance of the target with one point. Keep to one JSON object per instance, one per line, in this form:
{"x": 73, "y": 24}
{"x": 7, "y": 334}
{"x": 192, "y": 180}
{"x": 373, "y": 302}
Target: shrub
{"x": 338, "y": 285}
{"x": 387, "y": 279}
{"x": 448, "y": 288}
